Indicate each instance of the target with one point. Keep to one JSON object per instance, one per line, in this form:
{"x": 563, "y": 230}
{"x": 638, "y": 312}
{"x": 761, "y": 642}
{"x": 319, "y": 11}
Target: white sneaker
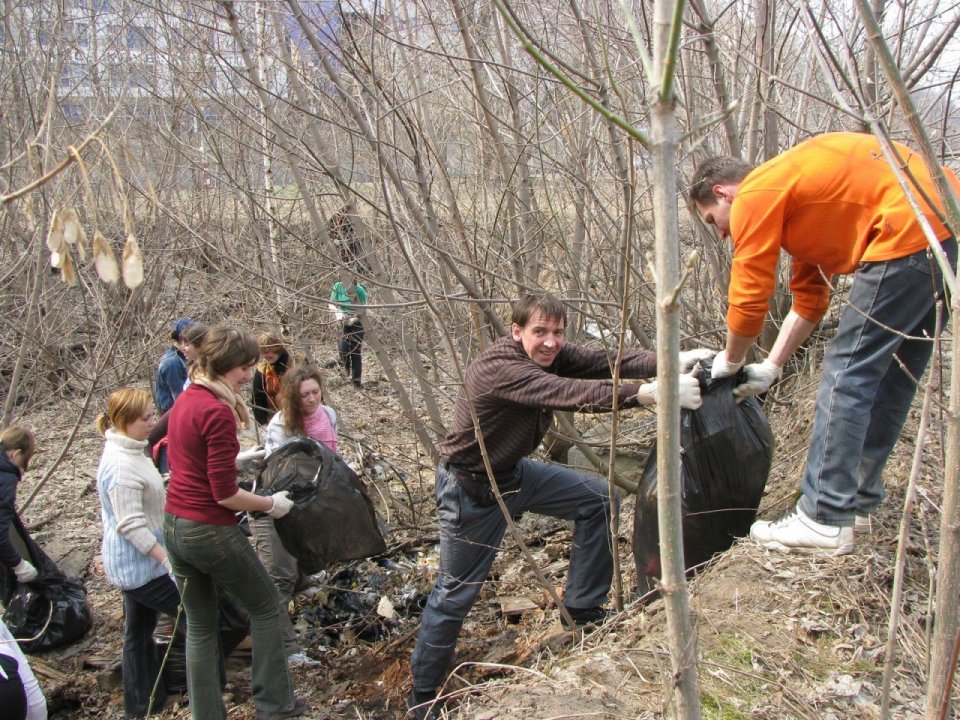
{"x": 798, "y": 532}
{"x": 862, "y": 525}
{"x": 301, "y": 659}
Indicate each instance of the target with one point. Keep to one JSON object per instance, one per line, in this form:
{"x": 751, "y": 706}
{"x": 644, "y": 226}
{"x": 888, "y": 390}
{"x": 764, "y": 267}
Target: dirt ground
{"x": 779, "y": 636}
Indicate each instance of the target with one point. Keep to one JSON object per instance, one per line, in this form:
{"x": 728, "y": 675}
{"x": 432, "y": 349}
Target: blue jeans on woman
{"x": 864, "y": 396}
{"x": 141, "y": 655}
{"x": 202, "y": 555}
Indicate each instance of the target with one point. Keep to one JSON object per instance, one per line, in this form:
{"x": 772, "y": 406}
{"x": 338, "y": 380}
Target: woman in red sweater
{"x": 204, "y": 544}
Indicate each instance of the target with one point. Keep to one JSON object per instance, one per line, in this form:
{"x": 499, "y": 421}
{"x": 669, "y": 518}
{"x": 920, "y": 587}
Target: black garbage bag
{"x": 726, "y": 450}
{"x": 48, "y": 612}
{"x": 333, "y": 518}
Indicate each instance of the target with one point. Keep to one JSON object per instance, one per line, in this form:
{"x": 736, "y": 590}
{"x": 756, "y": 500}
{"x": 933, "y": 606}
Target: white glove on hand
{"x": 688, "y": 392}
{"x": 724, "y": 368}
{"x": 248, "y": 458}
{"x": 760, "y": 377}
{"x": 689, "y": 358}
{"x": 167, "y": 566}
{"x": 282, "y": 504}
{"x": 25, "y": 572}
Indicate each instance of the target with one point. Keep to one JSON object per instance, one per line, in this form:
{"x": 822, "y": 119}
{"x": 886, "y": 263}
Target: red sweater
{"x": 202, "y": 453}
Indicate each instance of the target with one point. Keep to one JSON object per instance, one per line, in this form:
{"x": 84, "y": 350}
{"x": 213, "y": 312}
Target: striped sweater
{"x": 131, "y": 508}
{"x": 515, "y": 398}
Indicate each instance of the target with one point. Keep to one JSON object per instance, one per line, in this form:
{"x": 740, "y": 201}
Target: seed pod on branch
{"x": 55, "y": 236}
{"x": 104, "y": 259}
{"x": 67, "y": 271}
{"x": 73, "y": 232}
{"x": 132, "y": 264}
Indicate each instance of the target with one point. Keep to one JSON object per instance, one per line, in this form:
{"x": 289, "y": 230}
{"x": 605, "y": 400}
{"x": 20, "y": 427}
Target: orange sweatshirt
{"x": 831, "y": 202}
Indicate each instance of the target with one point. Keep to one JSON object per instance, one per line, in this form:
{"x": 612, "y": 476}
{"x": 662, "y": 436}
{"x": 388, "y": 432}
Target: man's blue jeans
{"x": 201, "y": 555}
{"x": 470, "y": 535}
{"x": 864, "y": 396}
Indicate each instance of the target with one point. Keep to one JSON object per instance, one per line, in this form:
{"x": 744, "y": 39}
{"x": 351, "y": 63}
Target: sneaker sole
{"x": 807, "y": 550}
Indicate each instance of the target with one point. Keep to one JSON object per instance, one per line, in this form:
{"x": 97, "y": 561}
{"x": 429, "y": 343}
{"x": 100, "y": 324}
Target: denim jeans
{"x": 470, "y": 534}
{"x": 141, "y": 655}
{"x": 864, "y": 396}
{"x": 282, "y": 568}
{"x": 202, "y": 554}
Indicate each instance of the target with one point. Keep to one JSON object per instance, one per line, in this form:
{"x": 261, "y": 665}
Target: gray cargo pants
{"x": 470, "y": 534}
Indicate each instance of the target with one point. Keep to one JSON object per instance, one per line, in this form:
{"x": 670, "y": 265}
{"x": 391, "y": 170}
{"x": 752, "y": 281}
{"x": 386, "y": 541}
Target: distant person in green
{"x": 345, "y": 304}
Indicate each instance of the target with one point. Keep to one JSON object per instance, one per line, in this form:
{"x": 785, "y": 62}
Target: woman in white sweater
{"x": 132, "y": 498}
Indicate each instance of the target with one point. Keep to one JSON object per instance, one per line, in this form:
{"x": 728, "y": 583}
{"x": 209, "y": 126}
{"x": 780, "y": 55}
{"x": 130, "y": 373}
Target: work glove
{"x": 760, "y": 377}
{"x": 248, "y": 458}
{"x": 689, "y": 358}
{"x": 722, "y": 367}
{"x": 282, "y": 504}
{"x": 25, "y": 572}
{"x": 688, "y": 393}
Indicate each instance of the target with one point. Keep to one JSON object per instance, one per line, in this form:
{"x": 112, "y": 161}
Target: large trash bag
{"x": 333, "y": 518}
{"x": 48, "y": 612}
{"x": 726, "y": 449}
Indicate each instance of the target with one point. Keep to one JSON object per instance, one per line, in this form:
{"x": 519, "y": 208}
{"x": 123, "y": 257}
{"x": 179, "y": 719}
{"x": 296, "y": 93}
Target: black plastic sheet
{"x": 333, "y": 518}
{"x": 726, "y": 450}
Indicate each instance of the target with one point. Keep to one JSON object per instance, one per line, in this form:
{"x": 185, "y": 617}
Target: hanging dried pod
{"x": 67, "y": 272}
{"x": 132, "y": 264}
{"x": 82, "y": 243}
{"x": 71, "y": 224}
{"x": 55, "y": 238}
{"x": 104, "y": 259}
{"x": 56, "y": 259}
{"x": 73, "y": 232}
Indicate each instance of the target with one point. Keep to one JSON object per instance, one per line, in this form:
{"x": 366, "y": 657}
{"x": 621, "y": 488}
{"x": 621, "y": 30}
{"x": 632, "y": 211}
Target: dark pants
{"x": 864, "y": 396}
{"x": 204, "y": 556}
{"x": 141, "y": 656}
{"x": 351, "y": 342}
{"x": 470, "y": 535}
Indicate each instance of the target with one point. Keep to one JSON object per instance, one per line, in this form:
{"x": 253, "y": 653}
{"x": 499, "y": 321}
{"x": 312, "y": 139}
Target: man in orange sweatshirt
{"x": 835, "y": 206}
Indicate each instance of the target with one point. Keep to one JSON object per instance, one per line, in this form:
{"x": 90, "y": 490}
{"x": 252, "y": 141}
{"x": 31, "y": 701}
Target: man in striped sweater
{"x": 514, "y": 387}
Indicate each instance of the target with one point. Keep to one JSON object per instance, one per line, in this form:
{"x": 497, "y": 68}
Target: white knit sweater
{"x": 131, "y": 508}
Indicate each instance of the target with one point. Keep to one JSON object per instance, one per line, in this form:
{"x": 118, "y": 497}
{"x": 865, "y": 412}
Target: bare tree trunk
{"x": 263, "y": 78}
{"x": 663, "y": 144}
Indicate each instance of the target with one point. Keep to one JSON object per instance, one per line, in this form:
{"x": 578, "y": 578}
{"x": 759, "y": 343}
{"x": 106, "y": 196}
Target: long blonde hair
{"x": 124, "y": 406}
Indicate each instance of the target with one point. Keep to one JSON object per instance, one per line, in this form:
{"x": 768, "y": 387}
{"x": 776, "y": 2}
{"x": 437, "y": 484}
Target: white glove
{"x": 247, "y": 458}
{"x": 689, "y": 358}
{"x": 760, "y": 377}
{"x": 25, "y": 572}
{"x": 724, "y": 368}
{"x": 167, "y": 566}
{"x": 282, "y": 504}
{"x": 688, "y": 392}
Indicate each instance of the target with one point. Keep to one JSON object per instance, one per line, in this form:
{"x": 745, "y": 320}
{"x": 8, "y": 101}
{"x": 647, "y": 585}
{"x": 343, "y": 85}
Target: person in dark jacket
{"x": 17, "y": 446}
{"x": 172, "y": 370}
{"x": 274, "y": 360}
{"x": 514, "y": 387}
